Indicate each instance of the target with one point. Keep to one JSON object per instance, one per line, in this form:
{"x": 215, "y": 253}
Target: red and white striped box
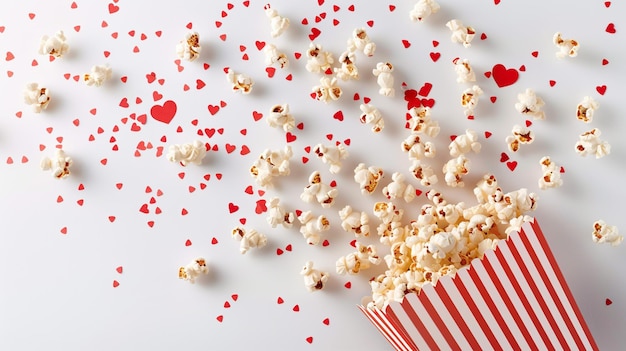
{"x": 514, "y": 298}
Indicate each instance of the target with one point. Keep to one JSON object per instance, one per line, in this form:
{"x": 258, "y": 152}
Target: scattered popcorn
{"x": 590, "y": 143}
{"x": 423, "y": 172}
{"x": 99, "y": 74}
{"x": 314, "y": 279}
{"x": 59, "y": 164}
{"x": 187, "y": 153}
{"x": 465, "y": 143}
{"x": 440, "y": 244}
{"x": 276, "y": 214}
{"x": 464, "y": 72}
{"x": 551, "y": 174}
{"x": 367, "y": 178}
{"x": 423, "y": 9}
{"x": 417, "y": 149}
{"x": 318, "y": 60}
{"x": 567, "y": 47}
{"x": 312, "y": 226}
{"x": 357, "y": 261}
{"x": 189, "y": 48}
{"x": 371, "y": 115}
{"x": 193, "y": 270}
{"x": 278, "y": 23}
{"x": 240, "y": 82}
{"x": 385, "y": 80}
{"x": 354, "y": 222}
{"x": 348, "y": 69}
{"x": 399, "y": 189}
{"x": 387, "y": 212}
{"x": 486, "y": 188}
{"x": 248, "y": 239}
{"x": 328, "y": 90}
{"x": 586, "y": 109}
{"x": 455, "y": 169}
{"x": 318, "y": 191}
{"x": 521, "y": 135}
{"x": 54, "y": 46}
{"x": 331, "y": 155}
{"x": 36, "y": 96}
{"x": 271, "y": 164}
{"x": 469, "y": 99}
{"x": 460, "y": 33}
{"x": 361, "y": 41}
{"x": 272, "y": 56}
{"x": 529, "y": 104}
{"x": 604, "y": 233}
{"x": 420, "y": 122}
{"x": 279, "y": 116}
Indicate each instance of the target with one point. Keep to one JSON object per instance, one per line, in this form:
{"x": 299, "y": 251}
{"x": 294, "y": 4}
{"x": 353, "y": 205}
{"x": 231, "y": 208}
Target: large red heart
{"x": 164, "y": 113}
{"x": 503, "y": 76}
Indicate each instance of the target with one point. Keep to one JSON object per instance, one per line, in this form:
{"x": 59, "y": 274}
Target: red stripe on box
{"x": 492, "y": 307}
{"x": 509, "y": 304}
{"x": 535, "y": 290}
{"x": 454, "y": 312}
{"x": 384, "y": 329}
{"x": 404, "y": 335}
{"x": 477, "y": 314}
{"x": 434, "y": 316}
{"x": 564, "y": 286}
{"x": 555, "y": 298}
{"x": 430, "y": 342}
{"x": 522, "y": 296}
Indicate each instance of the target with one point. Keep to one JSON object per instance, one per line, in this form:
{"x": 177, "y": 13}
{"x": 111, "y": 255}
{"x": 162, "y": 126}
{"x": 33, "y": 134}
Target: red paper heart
{"x": 232, "y": 207}
{"x": 164, "y": 113}
{"x": 314, "y": 33}
{"x": 504, "y": 157}
{"x": 213, "y": 109}
{"x": 601, "y": 89}
{"x": 260, "y": 207}
{"x": 511, "y": 165}
{"x": 610, "y": 28}
{"x": 503, "y": 76}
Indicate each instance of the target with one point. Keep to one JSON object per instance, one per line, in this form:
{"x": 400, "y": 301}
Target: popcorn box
{"x": 514, "y": 298}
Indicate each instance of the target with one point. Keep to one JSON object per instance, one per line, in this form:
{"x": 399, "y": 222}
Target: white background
{"x": 57, "y": 289}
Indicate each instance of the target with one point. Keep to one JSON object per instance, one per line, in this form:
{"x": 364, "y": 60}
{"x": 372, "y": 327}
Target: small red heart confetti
{"x": 487, "y": 135}
{"x": 605, "y": 62}
{"x": 522, "y": 68}
{"x": 111, "y": 219}
{"x": 314, "y": 33}
{"x": 607, "y": 4}
{"x": 232, "y": 208}
{"x": 326, "y": 321}
{"x": 296, "y": 308}
{"x": 214, "y": 241}
{"x": 288, "y": 247}
{"x": 608, "y": 302}
{"x": 503, "y": 76}
{"x": 392, "y": 8}
{"x": 226, "y": 304}
{"x": 552, "y": 82}
{"x": 220, "y": 318}
{"x": 116, "y": 284}
{"x": 234, "y": 297}
{"x": 610, "y": 28}
{"x": 370, "y": 23}
{"x": 406, "y": 43}
{"x": 309, "y": 339}
{"x": 338, "y": 115}
{"x": 483, "y": 36}
{"x": 290, "y": 137}
{"x": 601, "y": 89}
{"x": 119, "y": 269}
{"x": 504, "y": 157}
{"x": 535, "y": 53}
{"x": 511, "y": 165}
{"x": 279, "y": 251}
{"x": 325, "y": 243}
{"x": 435, "y": 43}
{"x": 493, "y": 99}
{"x": 528, "y": 123}
{"x": 188, "y": 242}
{"x": 348, "y": 285}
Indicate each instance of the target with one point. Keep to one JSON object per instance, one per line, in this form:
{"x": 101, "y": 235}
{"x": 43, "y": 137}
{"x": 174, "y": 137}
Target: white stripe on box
{"x": 446, "y": 317}
{"x": 390, "y": 331}
{"x": 430, "y": 325}
{"x": 408, "y": 325}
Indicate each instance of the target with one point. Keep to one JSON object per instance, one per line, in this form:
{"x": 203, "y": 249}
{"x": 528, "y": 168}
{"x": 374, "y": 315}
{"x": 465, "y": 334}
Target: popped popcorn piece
{"x": 318, "y": 60}
{"x": 515, "y": 204}
{"x": 551, "y": 174}
{"x": 189, "y": 48}
{"x": 486, "y": 188}
{"x": 279, "y": 116}
{"x": 530, "y": 104}
{"x": 55, "y": 45}
{"x": 36, "y": 96}
{"x": 59, "y": 164}
{"x": 604, "y": 233}
{"x": 312, "y": 226}
{"x": 99, "y": 74}
{"x": 436, "y": 198}
{"x": 248, "y": 239}
{"x": 469, "y": 99}
{"x": 354, "y": 221}
{"x": 384, "y": 79}
{"x": 586, "y": 109}
{"x": 423, "y": 9}
{"x": 465, "y": 143}
{"x": 460, "y": 33}
{"x": 187, "y": 153}
{"x": 455, "y": 169}
{"x": 323, "y": 193}
{"x": 348, "y": 69}
{"x": 193, "y": 270}
{"x": 363, "y": 258}
{"x": 589, "y": 143}
{"x": 423, "y": 172}
{"x": 240, "y": 82}
{"x": 362, "y": 42}
{"x": 416, "y": 149}
{"x": 331, "y": 155}
{"x": 440, "y": 244}
{"x": 399, "y": 189}
{"x": 567, "y": 47}
{"x": 464, "y": 72}
{"x": 328, "y": 90}
{"x": 367, "y": 178}
{"x": 371, "y": 115}
{"x": 387, "y": 212}
{"x": 314, "y": 279}
{"x": 521, "y": 135}
{"x": 272, "y": 56}
{"x": 270, "y": 164}
{"x": 276, "y": 214}
{"x": 278, "y": 23}
{"x": 421, "y": 122}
